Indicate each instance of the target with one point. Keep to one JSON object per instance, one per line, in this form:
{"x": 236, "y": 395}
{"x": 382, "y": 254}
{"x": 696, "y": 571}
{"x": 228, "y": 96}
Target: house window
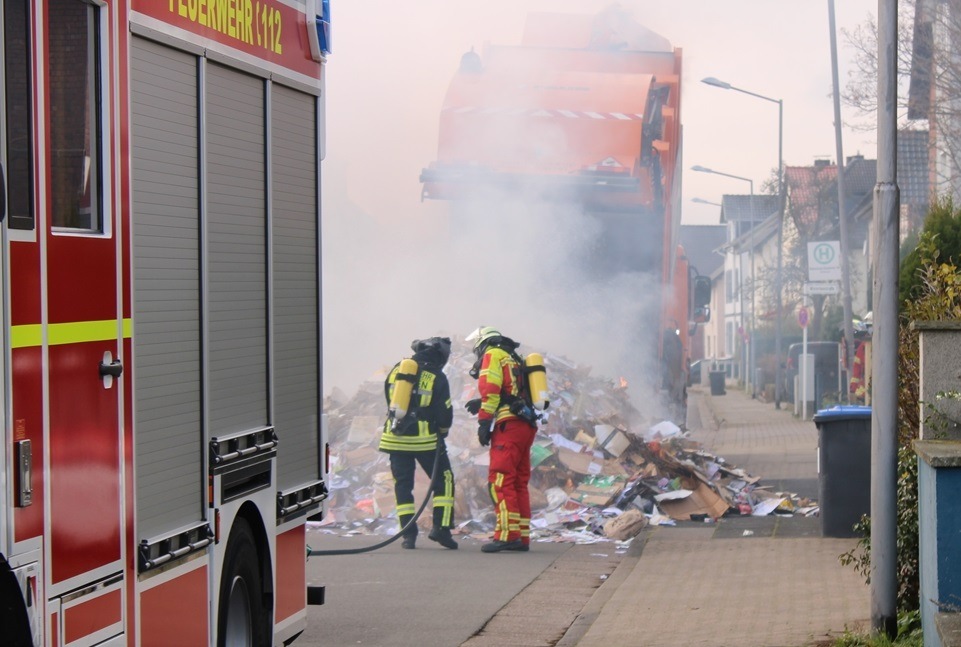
{"x": 75, "y": 115}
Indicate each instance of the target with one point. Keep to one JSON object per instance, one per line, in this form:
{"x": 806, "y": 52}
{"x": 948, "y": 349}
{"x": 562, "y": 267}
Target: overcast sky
{"x": 386, "y": 81}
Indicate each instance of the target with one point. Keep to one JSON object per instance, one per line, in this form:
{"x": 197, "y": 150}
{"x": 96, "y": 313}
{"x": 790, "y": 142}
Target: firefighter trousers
{"x": 508, "y": 476}
{"x": 403, "y": 466}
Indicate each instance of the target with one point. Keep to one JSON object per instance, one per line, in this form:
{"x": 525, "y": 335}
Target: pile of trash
{"x": 601, "y": 470}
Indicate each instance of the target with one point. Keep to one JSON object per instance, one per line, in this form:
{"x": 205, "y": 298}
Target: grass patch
{"x": 909, "y": 635}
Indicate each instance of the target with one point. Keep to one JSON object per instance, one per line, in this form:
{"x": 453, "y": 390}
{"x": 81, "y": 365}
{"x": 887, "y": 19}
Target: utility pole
{"x": 842, "y": 214}
{"x": 781, "y": 199}
{"x": 884, "y": 371}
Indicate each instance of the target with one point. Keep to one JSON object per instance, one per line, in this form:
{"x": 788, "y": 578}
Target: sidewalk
{"x": 744, "y": 581}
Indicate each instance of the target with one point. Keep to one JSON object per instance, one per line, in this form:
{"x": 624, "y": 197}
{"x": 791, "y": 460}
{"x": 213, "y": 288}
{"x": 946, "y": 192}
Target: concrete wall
{"x": 940, "y": 371}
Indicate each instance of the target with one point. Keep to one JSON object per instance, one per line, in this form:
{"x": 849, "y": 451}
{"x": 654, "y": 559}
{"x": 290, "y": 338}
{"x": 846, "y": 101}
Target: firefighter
{"x": 507, "y": 423}
{"x": 419, "y": 437}
{"x": 858, "y": 387}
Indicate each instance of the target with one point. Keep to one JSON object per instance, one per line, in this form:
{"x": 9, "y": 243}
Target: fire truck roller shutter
{"x": 238, "y": 317}
{"x": 167, "y": 306}
{"x": 236, "y": 250}
{"x": 296, "y": 314}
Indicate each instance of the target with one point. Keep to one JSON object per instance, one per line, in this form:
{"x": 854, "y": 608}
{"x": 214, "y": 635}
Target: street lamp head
{"x": 703, "y": 201}
{"x": 701, "y": 169}
{"x": 716, "y": 83}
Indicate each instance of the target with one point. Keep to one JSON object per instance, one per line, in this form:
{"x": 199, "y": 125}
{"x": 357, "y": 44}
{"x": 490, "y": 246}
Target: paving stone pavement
{"x": 743, "y": 581}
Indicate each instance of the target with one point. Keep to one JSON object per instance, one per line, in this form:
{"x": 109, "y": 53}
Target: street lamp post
{"x": 751, "y": 359}
{"x": 782, "y": 197}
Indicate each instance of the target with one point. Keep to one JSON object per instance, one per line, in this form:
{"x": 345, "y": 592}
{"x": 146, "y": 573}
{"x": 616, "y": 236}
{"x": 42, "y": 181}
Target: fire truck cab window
{"x": 18, "y": 131}
{"x": 75, "y": 115}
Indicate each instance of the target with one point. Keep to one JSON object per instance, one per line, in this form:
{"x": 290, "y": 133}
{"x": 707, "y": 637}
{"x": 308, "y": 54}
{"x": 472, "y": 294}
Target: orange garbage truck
{"x": 585, "y": 112}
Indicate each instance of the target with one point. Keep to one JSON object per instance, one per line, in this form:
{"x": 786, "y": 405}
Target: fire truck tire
{"x": 242, "y": 619}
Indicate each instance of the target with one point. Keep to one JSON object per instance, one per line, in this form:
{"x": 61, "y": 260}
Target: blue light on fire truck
{"x": 318, "y": 29}
{"x": 323, "y": 28}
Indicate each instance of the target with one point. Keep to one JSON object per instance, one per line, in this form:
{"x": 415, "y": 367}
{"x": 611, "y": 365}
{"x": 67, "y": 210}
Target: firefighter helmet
{"x": 437, "y": 347}
{"x": 482, "y": 335}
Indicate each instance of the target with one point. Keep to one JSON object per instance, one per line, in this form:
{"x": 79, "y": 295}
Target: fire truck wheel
{"x": 242, "y": 619}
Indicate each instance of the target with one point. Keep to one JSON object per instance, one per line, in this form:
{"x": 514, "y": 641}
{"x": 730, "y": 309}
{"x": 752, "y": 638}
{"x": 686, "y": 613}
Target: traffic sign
{"x": 821, "y": 287}
{"x": 824, "y": 261}
{"x": 802, "y": 317}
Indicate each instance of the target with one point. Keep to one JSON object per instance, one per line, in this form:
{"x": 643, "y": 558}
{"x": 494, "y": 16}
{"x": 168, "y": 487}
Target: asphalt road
{"x": 436, "y": 597}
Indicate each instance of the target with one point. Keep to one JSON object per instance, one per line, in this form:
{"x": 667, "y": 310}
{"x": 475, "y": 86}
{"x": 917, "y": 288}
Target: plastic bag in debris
{"x": 556, "y": 497}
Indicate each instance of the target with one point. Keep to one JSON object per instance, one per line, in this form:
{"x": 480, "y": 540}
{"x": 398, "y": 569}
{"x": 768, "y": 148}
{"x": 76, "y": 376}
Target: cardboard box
{"x": 594, "y": 495}
{"x": 579, "y": 462}
{"x": 611, "y": 440}
{"x": 702, "y": 500}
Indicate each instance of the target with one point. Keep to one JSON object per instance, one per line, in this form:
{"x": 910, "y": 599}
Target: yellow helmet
{"x": 482, "y": 335}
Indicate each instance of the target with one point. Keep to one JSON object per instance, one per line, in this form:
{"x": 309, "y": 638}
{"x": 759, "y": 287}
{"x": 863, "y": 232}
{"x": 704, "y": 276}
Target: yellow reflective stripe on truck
{"x": 75, "y": 332}
{"x": 26, "y": 336}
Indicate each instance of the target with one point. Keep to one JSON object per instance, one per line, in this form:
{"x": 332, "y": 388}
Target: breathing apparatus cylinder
{"x": 403, "y": 386}
{"x": 537, "y": 380}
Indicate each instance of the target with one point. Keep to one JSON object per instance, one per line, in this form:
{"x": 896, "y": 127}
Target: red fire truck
{"x": 163, "y": 439}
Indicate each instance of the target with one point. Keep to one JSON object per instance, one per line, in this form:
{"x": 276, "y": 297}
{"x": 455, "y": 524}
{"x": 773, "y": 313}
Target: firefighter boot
{"x": 410, "y": 534}
{"x": 443, "y": 537}
{"x": 497, "y": 546}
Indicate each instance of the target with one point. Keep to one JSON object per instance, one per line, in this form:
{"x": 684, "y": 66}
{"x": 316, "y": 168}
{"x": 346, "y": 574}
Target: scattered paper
{"x": 766, "y": 507}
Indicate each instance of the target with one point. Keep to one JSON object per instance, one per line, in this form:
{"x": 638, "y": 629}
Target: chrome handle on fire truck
{"x": 24, "y": 461}
{"x": 110, "y": 369}
{"x": 226, "y": 450}
{"x": 160, "y": 550}
{"x": 300, "y": 498}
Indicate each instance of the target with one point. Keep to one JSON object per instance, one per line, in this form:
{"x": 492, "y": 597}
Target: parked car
{"x": 827, "y": 368}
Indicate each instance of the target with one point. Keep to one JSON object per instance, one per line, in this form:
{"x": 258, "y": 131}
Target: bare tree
{"x": 861, "y": 89}
{"x": 811, "y": 215}
{"x": 929, "y": 70}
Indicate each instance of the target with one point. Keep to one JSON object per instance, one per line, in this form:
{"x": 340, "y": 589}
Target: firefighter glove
{"x": 484, "y": 432}
{"x": 473, "y": 406}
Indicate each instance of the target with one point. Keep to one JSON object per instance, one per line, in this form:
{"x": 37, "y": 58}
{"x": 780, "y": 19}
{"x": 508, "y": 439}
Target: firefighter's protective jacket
{"x": 858, "y": 385}
{"x": 431, "y": 412}
{"x": 498, "y": 384}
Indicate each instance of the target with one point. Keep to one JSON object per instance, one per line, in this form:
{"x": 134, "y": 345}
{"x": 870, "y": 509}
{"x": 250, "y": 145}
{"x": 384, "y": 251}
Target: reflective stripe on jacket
{"x": 430, "y": 412}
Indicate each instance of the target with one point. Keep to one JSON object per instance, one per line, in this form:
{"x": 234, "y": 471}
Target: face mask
{"x": 475, "y": 369}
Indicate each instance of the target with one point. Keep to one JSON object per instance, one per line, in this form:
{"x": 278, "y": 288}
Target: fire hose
{"x": 390, "y": 540}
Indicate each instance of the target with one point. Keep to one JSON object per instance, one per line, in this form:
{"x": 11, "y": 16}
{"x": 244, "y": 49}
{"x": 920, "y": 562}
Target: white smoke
{"x": 508, "y": 261}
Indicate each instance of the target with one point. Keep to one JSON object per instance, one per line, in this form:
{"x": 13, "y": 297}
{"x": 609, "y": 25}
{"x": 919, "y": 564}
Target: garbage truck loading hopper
{"x": 518, "y": 118}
